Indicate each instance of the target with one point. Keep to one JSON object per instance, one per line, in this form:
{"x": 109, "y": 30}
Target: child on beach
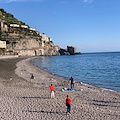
{"x": 52, "y": 91}
{"x": 68, "y": 104}
{"x": 32, "y": 77}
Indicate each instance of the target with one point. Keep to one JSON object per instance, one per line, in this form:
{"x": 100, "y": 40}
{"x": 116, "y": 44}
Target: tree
{"x": 2, "y": 10}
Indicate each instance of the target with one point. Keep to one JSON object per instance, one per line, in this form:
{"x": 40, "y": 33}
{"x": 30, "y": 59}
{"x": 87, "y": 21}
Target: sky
{"x": 88, "y": 25}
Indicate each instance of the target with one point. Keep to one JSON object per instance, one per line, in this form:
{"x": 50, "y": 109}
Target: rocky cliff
{"x": 22, "y": 39}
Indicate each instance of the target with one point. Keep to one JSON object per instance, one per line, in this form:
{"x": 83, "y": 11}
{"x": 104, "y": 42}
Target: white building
{"x": 24, "y": 26}
{"x": 14, "y": 25}
{"x": 2, "y": 44}
{"x": 32, "y": 29}
{"x": 45, "y": 38}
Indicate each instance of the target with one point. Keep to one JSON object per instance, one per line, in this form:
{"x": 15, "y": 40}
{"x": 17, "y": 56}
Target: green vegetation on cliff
{"x": 9, "y": 18}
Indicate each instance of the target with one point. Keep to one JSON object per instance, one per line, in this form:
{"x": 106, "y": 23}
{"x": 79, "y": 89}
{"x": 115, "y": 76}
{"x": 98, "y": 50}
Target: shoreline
{"x": 85, "y": 84}
{"x": 25, "y": 98}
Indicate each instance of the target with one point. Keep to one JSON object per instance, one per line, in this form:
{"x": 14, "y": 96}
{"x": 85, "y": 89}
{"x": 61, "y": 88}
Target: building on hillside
{"x": 71, "y": 50}
{"x": 14, "y": 25}
{"x": 3, "y": 44}
{"x": 32, "y": 29}
{"x": 3, "y": 26}
{"x": 24, "y": 26}
{"x": 38, "y": 32}
{"x": 45, "y": 39}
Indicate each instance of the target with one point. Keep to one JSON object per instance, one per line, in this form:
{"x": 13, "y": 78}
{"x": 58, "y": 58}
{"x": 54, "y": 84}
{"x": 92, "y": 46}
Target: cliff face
{"x": 23, "y": 44}
{"x": 31, "y": 47}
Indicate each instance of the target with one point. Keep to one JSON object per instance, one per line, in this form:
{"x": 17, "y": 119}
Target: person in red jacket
{"x": 68, "y": 104}
{"x": 52, "y": 91}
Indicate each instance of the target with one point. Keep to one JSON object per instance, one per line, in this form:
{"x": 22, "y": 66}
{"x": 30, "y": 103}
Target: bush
{"x": 2, "y": 51}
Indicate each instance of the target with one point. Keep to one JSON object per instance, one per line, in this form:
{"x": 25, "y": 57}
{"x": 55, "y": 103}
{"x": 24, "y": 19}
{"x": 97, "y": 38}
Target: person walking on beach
{"x": 68, "y": 104}
{"x": 52, "y": 91}
{"x": 72, "y": 81}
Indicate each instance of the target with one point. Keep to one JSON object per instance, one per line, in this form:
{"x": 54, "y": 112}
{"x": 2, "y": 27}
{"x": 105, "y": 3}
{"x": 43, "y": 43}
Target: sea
{"x": 100, "y": 70}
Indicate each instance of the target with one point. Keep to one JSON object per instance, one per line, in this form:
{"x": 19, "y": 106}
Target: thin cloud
{"x": 10, "y": 1}
{"x": 88, "y": 1}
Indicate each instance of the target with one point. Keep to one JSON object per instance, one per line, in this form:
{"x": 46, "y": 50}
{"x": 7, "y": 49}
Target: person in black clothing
{"x": 32, "y": 77}
{"x": 72, "y": 81}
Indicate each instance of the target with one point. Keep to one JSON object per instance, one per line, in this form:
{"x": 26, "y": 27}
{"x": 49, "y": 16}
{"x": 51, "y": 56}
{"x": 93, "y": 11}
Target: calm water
{"x": 98, "y": 69}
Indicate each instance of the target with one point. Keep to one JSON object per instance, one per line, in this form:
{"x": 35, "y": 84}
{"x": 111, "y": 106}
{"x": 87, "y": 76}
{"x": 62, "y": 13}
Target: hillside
{"x": 9, "y": 18}
{"x": 22, "y": 39}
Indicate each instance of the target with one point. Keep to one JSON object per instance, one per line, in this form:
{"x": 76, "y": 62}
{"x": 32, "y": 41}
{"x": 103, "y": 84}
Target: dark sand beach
{"x": 22, "y": 98}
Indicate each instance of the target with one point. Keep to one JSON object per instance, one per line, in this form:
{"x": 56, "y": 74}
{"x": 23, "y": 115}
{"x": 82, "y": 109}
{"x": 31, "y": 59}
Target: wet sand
{"x": 22, "y": 98}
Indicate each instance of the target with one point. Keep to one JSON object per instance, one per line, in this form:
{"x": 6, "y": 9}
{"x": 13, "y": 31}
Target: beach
{"x": 23, "y": 98}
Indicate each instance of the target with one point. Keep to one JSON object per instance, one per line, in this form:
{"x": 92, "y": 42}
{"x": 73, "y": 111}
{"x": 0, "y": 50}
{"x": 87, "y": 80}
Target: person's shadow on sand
{"x": 48, "y": 112}
{"x": 42, "y": 111}
{"x": 104, "y": 103}
{"x": 34, "y": 97}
